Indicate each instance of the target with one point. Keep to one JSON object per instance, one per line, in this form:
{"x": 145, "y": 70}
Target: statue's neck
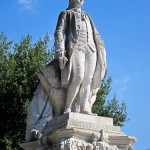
{"x": 78, "y": 9}
{"x": 74, "y": 8}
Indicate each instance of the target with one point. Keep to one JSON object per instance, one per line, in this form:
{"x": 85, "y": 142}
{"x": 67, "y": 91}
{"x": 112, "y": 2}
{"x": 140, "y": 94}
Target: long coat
{"x": 66, "y": 39}
{"x": 40, "y": 110}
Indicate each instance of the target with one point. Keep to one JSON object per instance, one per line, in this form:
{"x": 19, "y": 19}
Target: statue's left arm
{"x": 100, "y": 45}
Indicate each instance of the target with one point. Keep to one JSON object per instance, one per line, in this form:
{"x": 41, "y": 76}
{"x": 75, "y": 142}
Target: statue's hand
{"x": 62, "y": 62}
{"x": 59, "y": 53}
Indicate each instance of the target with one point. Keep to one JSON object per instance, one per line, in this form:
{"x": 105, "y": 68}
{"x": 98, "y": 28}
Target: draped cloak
{"x": 66, "y": 39}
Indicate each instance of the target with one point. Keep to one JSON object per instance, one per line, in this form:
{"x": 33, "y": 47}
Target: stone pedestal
{"x": 75, "y": 131}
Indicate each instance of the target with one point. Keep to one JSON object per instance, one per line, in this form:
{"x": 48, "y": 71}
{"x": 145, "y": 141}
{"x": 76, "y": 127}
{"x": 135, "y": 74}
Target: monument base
{"x": 76, "y": 131}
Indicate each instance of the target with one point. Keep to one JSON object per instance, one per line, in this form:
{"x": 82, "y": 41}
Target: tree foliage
{"x": 18, "y": 80}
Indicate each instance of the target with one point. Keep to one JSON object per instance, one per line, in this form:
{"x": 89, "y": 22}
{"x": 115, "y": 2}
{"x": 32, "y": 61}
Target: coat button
{"x": 77, "y": 32}
{"x": 78, "y": 26}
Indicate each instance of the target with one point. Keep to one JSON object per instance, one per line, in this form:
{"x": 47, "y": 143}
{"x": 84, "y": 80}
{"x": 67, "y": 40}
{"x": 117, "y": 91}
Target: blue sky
{"x": 124, "y": 26}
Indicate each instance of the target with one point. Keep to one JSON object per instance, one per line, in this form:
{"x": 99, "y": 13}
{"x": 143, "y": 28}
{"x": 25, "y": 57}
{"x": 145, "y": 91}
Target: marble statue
{"x": 77, "y": 40}
{"x": 71, "y": 81}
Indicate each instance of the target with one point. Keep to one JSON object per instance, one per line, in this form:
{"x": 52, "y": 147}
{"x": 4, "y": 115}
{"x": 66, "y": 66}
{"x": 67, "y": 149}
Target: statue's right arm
{"x": 60, "y": 35}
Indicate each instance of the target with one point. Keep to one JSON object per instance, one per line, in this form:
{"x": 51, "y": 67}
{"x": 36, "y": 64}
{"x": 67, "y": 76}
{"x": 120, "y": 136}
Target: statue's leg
{"x": 92, "y": 97}
{"x": 90, "y": 63}
{"x": 78, "y": 61}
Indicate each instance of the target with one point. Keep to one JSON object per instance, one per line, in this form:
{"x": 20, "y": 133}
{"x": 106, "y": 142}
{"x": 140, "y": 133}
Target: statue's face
{"x": 78, "y": 3}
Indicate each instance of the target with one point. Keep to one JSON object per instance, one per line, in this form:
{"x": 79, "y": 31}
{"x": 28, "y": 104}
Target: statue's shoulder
{"x": 64, "y": 13}
{"x": 85, "y": 13}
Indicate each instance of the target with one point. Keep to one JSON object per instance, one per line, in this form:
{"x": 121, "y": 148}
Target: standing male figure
{"x": 77, "y": 40}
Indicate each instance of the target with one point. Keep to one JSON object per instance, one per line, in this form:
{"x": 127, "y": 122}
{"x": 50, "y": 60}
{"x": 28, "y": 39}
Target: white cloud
{"x": 122, "y": 85}
{"x": 28, "y": 4}
{"x": 123, "y": 81}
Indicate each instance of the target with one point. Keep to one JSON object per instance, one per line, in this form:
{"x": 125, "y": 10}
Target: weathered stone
{"x": 75, "y": 131}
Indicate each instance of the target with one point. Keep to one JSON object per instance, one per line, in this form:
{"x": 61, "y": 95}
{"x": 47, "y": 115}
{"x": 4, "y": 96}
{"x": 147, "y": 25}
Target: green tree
{"x": 18, "y": 66}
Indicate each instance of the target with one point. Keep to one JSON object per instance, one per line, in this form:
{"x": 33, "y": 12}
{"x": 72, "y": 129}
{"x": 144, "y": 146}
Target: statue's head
{"x": 76, "y": 3}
